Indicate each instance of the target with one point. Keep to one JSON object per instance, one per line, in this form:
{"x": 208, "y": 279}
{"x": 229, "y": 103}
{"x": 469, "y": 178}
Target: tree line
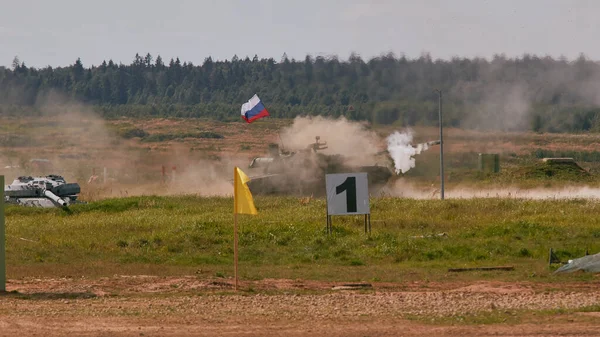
{"x": 524, "y": 93}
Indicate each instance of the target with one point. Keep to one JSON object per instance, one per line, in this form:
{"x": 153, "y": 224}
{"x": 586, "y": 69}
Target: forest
{"x": 541, "y": 94}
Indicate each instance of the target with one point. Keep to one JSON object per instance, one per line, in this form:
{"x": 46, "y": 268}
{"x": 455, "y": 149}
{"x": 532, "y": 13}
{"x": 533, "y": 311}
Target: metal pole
{"x": 441, "y": 148}
{"x": 2, "y": 239}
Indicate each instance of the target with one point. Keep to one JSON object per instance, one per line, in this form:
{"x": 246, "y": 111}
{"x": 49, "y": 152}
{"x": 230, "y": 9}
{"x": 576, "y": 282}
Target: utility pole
{"x": 441, "y": 146}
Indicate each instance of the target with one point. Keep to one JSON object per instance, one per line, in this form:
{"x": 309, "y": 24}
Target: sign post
{"x": 347, "y": 194}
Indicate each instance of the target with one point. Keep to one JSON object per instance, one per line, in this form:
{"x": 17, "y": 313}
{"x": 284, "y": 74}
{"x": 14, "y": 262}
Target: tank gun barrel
{"x": 260, "y": 162}
{"x": 45, "y": 191}
{"x": 55, "y": 198}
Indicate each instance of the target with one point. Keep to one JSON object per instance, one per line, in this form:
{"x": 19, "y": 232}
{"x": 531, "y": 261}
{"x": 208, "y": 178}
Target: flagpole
{"x": 2, "y": 240}
{"x": 235, "y": 250}
{"x": 235, "y": 230}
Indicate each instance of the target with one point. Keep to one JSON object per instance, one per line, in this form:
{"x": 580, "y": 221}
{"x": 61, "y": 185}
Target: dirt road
{"x": 193, "y": 306}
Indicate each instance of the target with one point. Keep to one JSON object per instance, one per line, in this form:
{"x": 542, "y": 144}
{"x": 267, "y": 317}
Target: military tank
{"x": 303, "y": 172}
{"x": 48, "y": 191}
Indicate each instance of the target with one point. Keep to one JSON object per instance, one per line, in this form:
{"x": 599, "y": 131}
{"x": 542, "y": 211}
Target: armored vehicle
{"x": 303, "y": 172}
{"x": 48, "y": 191}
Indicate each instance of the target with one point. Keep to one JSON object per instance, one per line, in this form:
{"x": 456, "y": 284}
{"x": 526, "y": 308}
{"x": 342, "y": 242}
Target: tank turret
{"x": 48, "y": 191}
{"x": 317, "y": 145}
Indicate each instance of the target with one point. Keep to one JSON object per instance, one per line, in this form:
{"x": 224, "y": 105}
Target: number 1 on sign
{"x": 349, "y": 185}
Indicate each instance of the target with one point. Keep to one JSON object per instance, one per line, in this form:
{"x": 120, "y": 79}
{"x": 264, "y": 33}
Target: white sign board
{"x": 347, "y": 193}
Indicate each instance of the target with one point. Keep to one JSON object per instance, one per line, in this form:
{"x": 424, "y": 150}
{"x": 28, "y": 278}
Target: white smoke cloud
{"x": 401, "y": 150}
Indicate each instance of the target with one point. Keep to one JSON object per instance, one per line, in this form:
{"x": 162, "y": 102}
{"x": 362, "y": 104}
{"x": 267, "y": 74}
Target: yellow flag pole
{"x": 2, "y": 239}
{"x": 235, "y": 230}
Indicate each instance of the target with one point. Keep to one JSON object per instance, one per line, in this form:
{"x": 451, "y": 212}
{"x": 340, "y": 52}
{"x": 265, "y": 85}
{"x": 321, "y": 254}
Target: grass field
{"x": 186, "y": 234}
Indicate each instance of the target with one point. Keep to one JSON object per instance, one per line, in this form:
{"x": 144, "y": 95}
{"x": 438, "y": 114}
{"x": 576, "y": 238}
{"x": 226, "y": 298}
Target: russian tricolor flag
{"x": 253, "y": 109}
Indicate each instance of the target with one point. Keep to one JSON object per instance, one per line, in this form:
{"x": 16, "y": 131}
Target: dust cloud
{"x": 64, "y": 134}
{"x": 342, "y": 144}
{"x": 504, "y": 94}
{"x": 77, "y": 140}
{"x": 82, "y": 147}
{"x": 174, "y": 172}
{"x": 503, "y": 106}
{"x": 403, "y": 188}
{"x": 198, "y": 176}
{"x": 352, "y": 140}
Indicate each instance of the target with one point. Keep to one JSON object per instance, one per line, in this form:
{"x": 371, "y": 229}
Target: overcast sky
{"x": 56, "y": 32}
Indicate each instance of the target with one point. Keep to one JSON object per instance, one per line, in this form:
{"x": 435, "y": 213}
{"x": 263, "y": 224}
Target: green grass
{"x": 287, "y": 239}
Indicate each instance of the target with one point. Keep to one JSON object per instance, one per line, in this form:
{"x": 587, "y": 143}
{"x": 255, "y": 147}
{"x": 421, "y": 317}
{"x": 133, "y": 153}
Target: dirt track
{"x": 192, "y": 306}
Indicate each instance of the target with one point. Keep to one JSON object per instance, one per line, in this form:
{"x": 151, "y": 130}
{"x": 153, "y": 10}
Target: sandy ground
{"x": 196, "y": 306}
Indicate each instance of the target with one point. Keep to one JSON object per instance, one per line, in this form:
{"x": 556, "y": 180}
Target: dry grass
{"x": 81, "y": 147}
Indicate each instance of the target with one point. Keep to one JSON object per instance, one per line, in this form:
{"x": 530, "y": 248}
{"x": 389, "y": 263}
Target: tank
{"x": 48, "y": 191}
{"x": 303, "y": 172}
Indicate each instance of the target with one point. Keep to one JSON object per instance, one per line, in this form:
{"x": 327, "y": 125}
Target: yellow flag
{"x": 242, "y": 198}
